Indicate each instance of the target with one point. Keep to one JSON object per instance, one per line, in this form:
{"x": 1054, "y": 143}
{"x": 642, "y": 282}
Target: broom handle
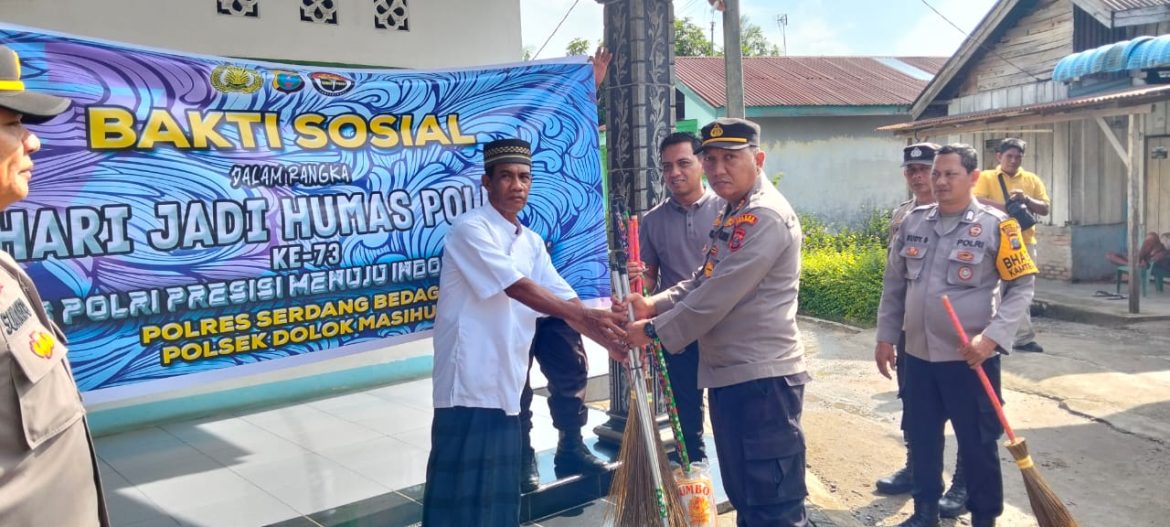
{"x": 638, "y": 284}
{"x": 979, "y": 371}
{"x": 646, "y": 419}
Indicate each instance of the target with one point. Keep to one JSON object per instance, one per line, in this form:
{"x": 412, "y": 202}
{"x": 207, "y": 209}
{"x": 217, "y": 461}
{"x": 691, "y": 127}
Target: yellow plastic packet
{"x": 697, "y": 493}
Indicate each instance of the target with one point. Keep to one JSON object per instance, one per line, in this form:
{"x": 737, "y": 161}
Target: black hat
{"x": 730, "y": 133}
{"x": 919, "y": 154}
{"x": 507, "y": 151}
{"x": 13, "y": 96}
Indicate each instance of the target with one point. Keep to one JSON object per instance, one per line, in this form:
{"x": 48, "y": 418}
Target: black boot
{"x": 925, "y": 515}
{"x": 982, "y": 521}
{"x": 529, "y": 475}
{"x": 953, "y": 503}
{"x": 899, "y": 482}
{"x": 573, "y": 457}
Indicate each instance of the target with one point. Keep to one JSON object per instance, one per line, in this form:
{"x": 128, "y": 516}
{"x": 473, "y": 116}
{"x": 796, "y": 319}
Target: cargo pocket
{"x": 915, "y": 256}
{"x": 774, "y": 470}
{"x": 49, "y": 401}
{"x": 965, "y": 268}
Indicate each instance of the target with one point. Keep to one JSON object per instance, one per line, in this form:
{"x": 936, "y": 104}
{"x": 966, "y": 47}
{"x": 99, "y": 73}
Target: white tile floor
{"x": 256, "y": 467}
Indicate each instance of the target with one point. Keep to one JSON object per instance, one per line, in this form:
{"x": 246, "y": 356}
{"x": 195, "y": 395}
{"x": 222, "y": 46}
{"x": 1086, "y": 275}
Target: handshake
{"x": 613, "y": 328}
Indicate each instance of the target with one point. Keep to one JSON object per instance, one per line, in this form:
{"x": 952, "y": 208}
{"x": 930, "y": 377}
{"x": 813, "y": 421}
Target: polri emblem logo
{"x": 235, "y": 79}
{"x": 287, "y": 81}
{"x": 331, "y": 84}
{"x": 41, "y": 344}
{"x": 966, "y": 273}
{"x": 975, "y": 230}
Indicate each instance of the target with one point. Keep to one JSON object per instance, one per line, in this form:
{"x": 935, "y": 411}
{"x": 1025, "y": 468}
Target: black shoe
{"x": 979, "y": 521}
{"x": 1032, "y": 347}
{"x": 925, "y": 515}
{"x": 573, "y": 457}
{"x": 529, "y": 476}
{"x": 900, "y": 482}
{"x": 953, "y": 503}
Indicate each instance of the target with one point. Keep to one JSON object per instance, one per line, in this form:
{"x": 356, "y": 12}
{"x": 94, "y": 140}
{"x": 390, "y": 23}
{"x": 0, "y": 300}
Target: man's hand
{"x": 636, "y": 334}
{"x": 602, "y": 326}
{"x": 635, "y": 268}
{"x": 980, "y": 349}
{"x": 885, "y": 356}
{"x": 643, "y": 309}
{"x": 1018, "y": 195}
{"x": 600, "y": 61}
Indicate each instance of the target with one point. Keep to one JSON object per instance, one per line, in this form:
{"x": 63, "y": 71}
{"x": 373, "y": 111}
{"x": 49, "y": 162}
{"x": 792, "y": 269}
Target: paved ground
{"x": 1095, "y": 410}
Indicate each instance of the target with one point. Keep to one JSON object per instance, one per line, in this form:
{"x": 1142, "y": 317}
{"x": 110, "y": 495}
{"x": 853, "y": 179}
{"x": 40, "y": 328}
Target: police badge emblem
{"x": 235, "y": 79}
{"x": 331, "y": 84}
{"x": 287, "y": 81}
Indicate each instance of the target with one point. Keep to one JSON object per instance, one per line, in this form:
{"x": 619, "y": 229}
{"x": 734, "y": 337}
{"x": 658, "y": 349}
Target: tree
{"x": 752, "y": 40}
{"x": 690, "y": 40}
{"x": 578, "y": 46}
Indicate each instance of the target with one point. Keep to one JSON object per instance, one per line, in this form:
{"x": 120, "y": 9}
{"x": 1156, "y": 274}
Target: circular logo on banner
{"x": 966, "y": 273}
{"x": 975, "y": 230}
{"x": 235, "y": 79}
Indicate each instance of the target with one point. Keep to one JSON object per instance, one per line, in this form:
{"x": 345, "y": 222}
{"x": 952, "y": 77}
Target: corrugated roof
{"x": 809, "y": 81}
{"x": 1122, "y": 5}
{"x": 1121, "y": 99}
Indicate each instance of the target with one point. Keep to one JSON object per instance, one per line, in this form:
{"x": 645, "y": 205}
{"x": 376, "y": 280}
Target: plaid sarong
{"x": 473, "y": 474}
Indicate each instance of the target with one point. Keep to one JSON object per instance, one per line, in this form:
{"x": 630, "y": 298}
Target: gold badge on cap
{"x": 716, "y": 131}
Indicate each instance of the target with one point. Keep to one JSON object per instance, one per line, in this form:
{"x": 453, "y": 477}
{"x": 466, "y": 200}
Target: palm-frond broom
{"x": 1046, "y": 505}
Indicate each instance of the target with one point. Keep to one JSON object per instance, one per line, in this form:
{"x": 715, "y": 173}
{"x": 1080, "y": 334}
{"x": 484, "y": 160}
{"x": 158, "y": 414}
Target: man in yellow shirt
{"x": 1027, "y": 188}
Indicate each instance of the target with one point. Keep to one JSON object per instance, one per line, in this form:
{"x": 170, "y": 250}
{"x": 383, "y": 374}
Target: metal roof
{"x": 811, "y": 81}
{"x": 1139, "y": 53}
{"x": 1122, "y": 5}
{"x": 1058, "y": 111}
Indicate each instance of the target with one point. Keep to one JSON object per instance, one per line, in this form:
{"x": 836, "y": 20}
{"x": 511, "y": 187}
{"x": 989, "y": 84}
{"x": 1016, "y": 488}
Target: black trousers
{"x": 761, "y": 450}
{"x": 684, "y": 381}
{"x": 473, "y": 473}
{"x": 561, "y": 355}
{"x": 938, "y": 391}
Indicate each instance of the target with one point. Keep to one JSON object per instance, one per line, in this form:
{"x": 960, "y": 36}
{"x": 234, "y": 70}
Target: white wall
{"x": 443, "y": 33}
{"x": 835, "y": 167}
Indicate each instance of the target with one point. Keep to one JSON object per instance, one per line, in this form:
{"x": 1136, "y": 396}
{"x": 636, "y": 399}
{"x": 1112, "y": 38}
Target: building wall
{"x": 442, "y": 33}
{"x": 835, "y": 167}
{"x": 1025, "y": 53}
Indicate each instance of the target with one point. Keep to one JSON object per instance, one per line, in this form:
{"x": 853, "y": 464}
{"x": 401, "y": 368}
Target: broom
{"x": 1046, "y": 505}
{"x": 639, "y": 490}
{"x": 635, "y": 251}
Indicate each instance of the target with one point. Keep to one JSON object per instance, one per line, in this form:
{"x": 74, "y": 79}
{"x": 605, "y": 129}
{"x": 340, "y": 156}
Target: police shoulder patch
{"x": 1012, "y": 260}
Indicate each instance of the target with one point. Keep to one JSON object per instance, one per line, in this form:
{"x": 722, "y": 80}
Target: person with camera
{"x": 1022, "y": 195}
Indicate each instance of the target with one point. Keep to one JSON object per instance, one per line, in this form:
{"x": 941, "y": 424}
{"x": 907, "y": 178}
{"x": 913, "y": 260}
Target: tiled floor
{"x": 259, "y": 467}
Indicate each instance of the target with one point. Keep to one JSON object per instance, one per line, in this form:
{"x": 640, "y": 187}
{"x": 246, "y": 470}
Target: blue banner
{"x": 189, "y": 214}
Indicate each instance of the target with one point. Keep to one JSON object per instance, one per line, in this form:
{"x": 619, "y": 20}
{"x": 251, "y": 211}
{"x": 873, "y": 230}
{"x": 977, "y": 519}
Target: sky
{"x": 815, "y": 27}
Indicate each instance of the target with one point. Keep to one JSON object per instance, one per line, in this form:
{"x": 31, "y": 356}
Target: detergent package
{"x": 696, "y": 491}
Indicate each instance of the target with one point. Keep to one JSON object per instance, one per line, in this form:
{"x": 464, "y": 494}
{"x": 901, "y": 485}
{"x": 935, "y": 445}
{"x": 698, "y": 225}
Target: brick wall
{"x": 1055, "y": 255}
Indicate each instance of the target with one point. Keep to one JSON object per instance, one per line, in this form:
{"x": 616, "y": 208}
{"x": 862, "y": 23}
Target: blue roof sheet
{"x": 1139, "y": 53}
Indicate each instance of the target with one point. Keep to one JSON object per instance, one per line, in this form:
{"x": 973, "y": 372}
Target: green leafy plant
{"x": 842, "y": 267}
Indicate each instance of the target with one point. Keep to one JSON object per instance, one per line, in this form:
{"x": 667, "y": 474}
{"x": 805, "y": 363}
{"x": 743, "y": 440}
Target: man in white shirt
{"x": 497, "y": 278}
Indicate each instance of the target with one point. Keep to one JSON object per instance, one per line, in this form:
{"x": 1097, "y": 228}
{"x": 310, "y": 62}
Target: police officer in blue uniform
{"x": 975, "y": 255}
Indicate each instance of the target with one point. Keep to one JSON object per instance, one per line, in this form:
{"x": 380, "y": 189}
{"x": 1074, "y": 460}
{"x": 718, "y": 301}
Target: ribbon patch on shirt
{"x": 1013, "y": 260}
{"x": 42, "y": 344}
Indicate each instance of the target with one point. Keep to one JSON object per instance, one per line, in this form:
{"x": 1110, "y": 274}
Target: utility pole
{"x": 712, "y": 29}
{"x": 733, "y": 59}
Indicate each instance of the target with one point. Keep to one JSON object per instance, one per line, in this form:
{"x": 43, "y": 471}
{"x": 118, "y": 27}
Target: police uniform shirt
{"x": 899, "y": 215}
{"x": 482, "y": 335}
{"x": 965, "y": 262}
{"x": 741, "y": 305}
{"x": 47, "y": 464}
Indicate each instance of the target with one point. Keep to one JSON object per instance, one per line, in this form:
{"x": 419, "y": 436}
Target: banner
{"x": 189, "y": 214}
